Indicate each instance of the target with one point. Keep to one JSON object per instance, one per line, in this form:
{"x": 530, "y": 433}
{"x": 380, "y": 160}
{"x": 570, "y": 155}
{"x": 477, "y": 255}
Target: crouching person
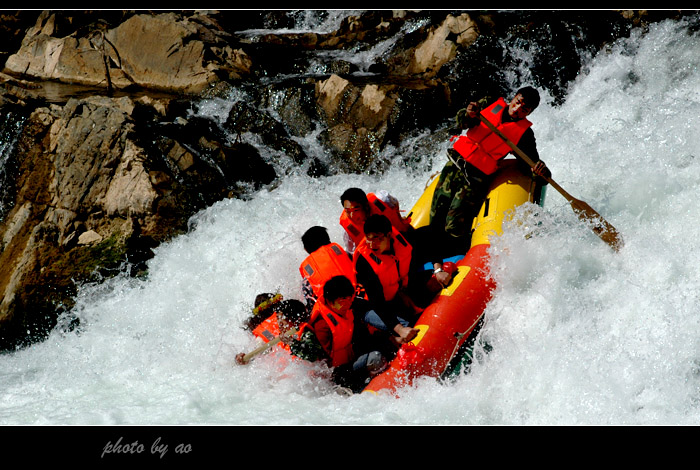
{"x": 284, "y": 317}
{"x": 336, "y": 333}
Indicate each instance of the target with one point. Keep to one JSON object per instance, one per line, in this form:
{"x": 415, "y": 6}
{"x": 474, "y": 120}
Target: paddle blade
{"x": 599, "y": 225}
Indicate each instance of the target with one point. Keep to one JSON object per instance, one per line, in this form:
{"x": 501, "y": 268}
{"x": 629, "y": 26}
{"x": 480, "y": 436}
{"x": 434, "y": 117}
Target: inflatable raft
{"x": 452, "y": 318}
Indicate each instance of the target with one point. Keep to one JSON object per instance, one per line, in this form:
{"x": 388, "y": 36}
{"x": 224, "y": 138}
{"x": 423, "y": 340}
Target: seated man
{"x": 382, "y": 266}
{"x": 358, "y": 206}
{"x": 337, "y": 334}
{"x": 324, "y": 261}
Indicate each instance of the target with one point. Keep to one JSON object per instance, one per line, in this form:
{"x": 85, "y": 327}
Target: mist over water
{"x": 578, "y": 334}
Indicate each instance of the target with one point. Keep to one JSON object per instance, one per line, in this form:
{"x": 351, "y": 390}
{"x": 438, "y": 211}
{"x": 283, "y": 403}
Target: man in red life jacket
{"x": 324, "y": 261}
{"x": 358, "y": 206}
{"x": 264, "y": 306}
{"x": 287, "y": 314}
{"x": 475, "y": 157}
{"x": 382, "y": 266}
{"x": 336, "y": 333}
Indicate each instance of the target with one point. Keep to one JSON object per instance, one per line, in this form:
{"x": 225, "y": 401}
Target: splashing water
{"x": 578, "y": 333}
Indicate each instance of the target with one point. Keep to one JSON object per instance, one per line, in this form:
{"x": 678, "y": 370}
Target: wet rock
{"x": 89, "y": 238}
{"x": 166, "y": 51}
{"x": 93, "y": 191}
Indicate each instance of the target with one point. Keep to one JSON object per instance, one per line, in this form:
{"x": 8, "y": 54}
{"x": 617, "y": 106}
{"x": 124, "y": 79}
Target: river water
{"x": 580, "y": 335}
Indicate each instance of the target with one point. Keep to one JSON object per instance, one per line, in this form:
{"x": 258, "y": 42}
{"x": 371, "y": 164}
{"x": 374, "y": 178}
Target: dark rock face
{"x": 92, "y": 180}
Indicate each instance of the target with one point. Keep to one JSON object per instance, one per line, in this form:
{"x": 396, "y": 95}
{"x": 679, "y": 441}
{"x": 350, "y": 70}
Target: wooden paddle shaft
{"x": 601, "y": 227}
{"x": 524, "y": 156}
{"x": 264, "y": 347}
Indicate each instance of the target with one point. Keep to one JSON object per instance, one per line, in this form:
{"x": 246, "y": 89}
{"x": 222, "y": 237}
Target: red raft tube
{"x": 457, "y": 310}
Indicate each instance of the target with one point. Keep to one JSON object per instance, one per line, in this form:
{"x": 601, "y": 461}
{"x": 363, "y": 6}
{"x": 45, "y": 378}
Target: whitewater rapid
{"x": 579, "y": 334}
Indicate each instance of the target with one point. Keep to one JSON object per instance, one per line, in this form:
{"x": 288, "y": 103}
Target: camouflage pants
{"x": 457, "y": 200}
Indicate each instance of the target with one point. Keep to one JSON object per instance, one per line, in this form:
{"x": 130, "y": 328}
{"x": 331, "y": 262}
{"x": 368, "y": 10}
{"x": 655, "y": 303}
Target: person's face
{"x": 341, "y": 304}
{"x": 517, "y": 109}
{"x": 378, "y": 242}
{"x": 354, "y": 211}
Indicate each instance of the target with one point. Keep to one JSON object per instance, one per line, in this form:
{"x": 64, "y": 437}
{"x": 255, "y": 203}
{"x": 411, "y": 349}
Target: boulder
{"x": 362, "y": 118}
{"x": 93, "y": 187}
{"x": 161, "y": 52}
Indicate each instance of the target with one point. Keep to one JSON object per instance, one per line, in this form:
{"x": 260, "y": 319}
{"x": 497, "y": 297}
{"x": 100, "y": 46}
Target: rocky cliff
{"x": 93, "y": 178}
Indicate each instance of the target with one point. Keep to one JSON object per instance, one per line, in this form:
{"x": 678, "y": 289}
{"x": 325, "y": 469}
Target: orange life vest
{"x": 391, "y": 269}
{"x": 483, "y": 148}
{"x": 269, "y": 330}
{"x": 341, "y": 328}
{"x": 325, "y": 263}
{"x": 376, "y": 206}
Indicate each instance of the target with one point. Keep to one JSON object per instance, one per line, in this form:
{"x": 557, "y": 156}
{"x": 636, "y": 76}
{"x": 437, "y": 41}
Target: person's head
{"x": 524, "y": 102}
{"x": 339, "y": 293}
{"x": 314, "y": 238}
{"x": 264, "y": 304}
{"x": 355, "y": 204}
{"x": 378, "y": 233}
{"x": 291, "y": 314}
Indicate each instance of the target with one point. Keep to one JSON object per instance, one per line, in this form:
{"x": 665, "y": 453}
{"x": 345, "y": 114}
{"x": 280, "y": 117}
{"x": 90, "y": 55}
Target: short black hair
{"x": 530, "y": 95}
{"x": 337, "y": 287}
{"x": 314, "y": 238}
{"x": 355, "y": 195}
{"x": 377, "y": 223}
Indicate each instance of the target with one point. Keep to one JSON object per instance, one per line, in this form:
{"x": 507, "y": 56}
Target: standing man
{"x": 338, "y": 334}
{"x": 475, "y": 157}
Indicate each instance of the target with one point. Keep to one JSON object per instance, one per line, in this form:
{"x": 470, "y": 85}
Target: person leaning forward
{"x": 337, "y": 334}
{"x": 324, "y": 261}
{"x": 382, "y": 265}
{"x": 286, "y": 316}
{"x": 476, "y": 156}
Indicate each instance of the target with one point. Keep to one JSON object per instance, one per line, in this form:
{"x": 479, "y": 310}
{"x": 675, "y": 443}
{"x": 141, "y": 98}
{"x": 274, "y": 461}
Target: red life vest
{"x": 341, "y": 329}
{"x": 269, "y": 330}
{"x": 391, "y": 269}
{"x": 483, "y": 148}
{"x": 326, "y": 262}
{"x": 391, "y": 213}
{"x": 376, "y": 206}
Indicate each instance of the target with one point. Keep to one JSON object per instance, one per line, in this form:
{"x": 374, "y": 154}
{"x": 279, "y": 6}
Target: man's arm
{"x": 528, "y": 145}
{"x": 468, "y": 117}
{"x": 375, "y": 291}
{"x": 307, "y": 347}
{"x": 323, "y": 335}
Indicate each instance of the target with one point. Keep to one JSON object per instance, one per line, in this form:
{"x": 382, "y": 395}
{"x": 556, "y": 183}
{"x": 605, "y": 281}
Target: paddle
{"x": 600, "y": 226}
{"x": 264, "y": 347}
